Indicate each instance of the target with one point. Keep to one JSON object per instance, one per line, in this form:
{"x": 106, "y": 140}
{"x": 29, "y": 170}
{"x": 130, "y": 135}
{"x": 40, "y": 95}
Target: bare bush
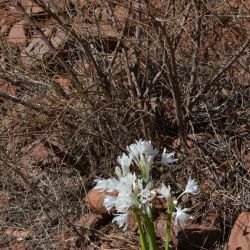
{"x": 90, "y": 77}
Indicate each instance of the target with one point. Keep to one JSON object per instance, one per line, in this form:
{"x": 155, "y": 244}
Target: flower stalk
{"x": 136, "y": 194}
{"x": 168, "y": 230}
{"x": 143, "y": 240}
{"x": 170, "y": 211}
{"x": 149, "y": 225}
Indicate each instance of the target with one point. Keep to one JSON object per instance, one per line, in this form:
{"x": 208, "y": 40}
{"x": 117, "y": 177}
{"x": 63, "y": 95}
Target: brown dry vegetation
{"x": 81, "y": 80}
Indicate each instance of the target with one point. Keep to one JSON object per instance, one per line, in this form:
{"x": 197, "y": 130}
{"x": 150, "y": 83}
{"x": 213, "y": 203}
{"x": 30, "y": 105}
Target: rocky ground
{"x": 81, "y": 80}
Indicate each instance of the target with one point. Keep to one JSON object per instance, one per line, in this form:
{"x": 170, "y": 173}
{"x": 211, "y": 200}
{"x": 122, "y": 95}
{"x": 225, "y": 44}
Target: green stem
{"x": 171, "y": 209}
{"x": 143, "y": 240}
{"x": 168, "y": 230}
{"x": 150, "y": 232}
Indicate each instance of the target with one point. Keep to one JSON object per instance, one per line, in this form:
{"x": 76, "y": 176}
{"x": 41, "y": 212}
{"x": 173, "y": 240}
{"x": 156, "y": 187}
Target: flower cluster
{"x": 180, "y": 214}
{"x": 136, "y": 193}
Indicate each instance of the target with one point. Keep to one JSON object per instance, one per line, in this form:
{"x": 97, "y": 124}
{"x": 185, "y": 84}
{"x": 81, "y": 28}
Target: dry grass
{"x": 169, "y": 71}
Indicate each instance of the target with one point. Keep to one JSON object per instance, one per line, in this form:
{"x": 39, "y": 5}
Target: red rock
{"x": 12, "y": 232}
{"x": 7, "y": 88}
{"x": 17, "y": 36}
{"x": 247, "y": 160}
{"x": 132, "y": 225}
{"x": 33, "y": 9}
{"x": 160, "y": 227}
{"x": 239, "y": 4}
{"x": 240, "y": 235}
{"x": 18, "y": 246}
{"x": 191, "y": 138}
{"x": 121, "y": 14}
{"x": 3, "y": 200}
{"x": 35, "y": 153}
{"x": 95, "y": 198}
{"x": 190, "y": 236}
{"x": 80, "y": 3}
{"x": 159, "y": 203}
{"x": 102, "y": 30}
{"x": 38, "y": 49}
{"x": 194, "y": 237}
{"x": 4, "y": 28}
{"x": 29, "y": 7}
{"x": 91, "y": 220}
{"x": 64, "y": 82}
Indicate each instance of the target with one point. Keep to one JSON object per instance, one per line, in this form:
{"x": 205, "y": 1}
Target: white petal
{"x": 125, "y": 162}
{"x": 164, "y": 191}
{"x": 126, "y": 202}
{"x": 181, "y": 216}
{"x": 145, "y": 194}
{"x": 106, "y": 185}
{"x": 167, "y": 158}
{"x": 191, "y": 188}
{"x": 145, "y": 198}
{"x": 121, "y": 220}
{"x": 109, "y": 202}
{"x": 142, "y": 147}
{"x": 118, "y": 172}
{"x": 126, "y": 183}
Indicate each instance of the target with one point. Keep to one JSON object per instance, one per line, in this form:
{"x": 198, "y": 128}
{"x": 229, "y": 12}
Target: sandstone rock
{"x": 12, "y": 232}
{"x": 102, "y": 30}
{"x": 7, "y": 88}
{"x": 91, "y": 220}
{"x": 132, "y": 225}
{"x": 36, "y": 153}
{"x": 121, "y": 14}
{"x": 18, "y": 246}
{"x": 240, "y": 234}
{"x": 80, "y": 3}
{"x": 58, "y": 38}
{"x": 95, "y": 198}
{"x": 64, "y": 82}
{"x": 191, "y": 138}
{"x": 3, "y": 200}
{"x": 30, "y": 7}
{"x": 196, "y": 237}
{"x": 4, "y": 28}
{"x": 34, "y": 52}
{"x": 239, "y": 4}
{"x": 190, "y": 236}
{"x": 38, "y": 49}
{"x": 159, "y": 203}
{"x": 33, "y": 9}
{"x": 17, "y": 36}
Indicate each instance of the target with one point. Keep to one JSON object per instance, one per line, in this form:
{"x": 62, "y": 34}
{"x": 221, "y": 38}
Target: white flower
{"x": 138, "y": 186}
{"x": 131, "y": 194}
{"x": 108, "y": 185}
{"x": 142, "y": 147}
{"x": 19, "y": 239}
{"x": 145, "y": 197}
{"x": 181, "y": 216}
{"x": 125, "y": 184}
{"x": 121, "y": 220}
{"x": 127, "y": 197}
{"x": 109, "y": 202}
{"x": 118, "y": 172}
{"x": 191, "y": 188}
{"x": 167, "y": 158}
{"x": 125, "y": 162}
{"x": 164, "y": 191}
{"x": 143, "y": 153}
{"x": 126, "y": 201}
{"x": 145, "y": 193}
